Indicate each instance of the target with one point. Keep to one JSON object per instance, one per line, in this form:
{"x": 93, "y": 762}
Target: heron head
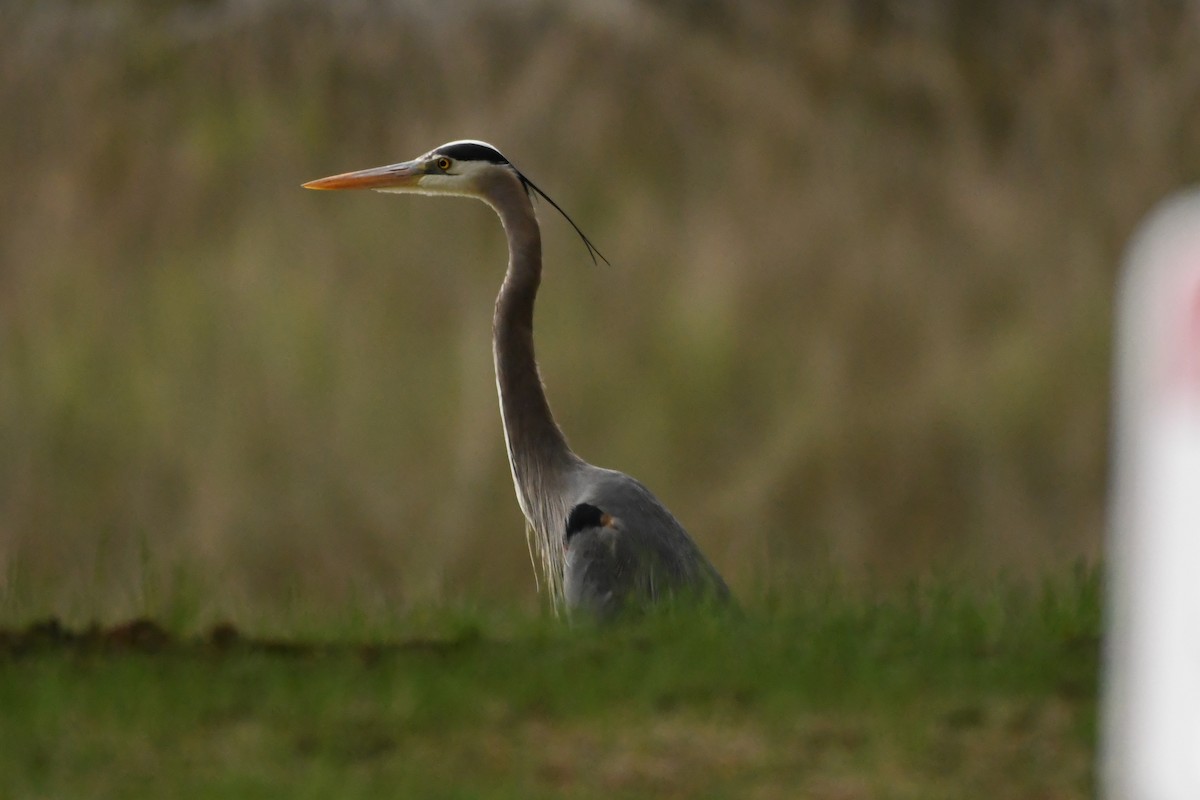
{"x": 457, "y": 168}
{"x": 467, "y": 168}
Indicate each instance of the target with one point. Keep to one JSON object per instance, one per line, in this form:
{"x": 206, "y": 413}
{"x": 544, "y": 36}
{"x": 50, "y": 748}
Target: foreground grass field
{"x": 933, "y": 692}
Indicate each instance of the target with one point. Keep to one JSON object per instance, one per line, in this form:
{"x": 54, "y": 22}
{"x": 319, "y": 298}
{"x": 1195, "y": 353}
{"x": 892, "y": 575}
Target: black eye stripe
{"x": 471, "y": 151}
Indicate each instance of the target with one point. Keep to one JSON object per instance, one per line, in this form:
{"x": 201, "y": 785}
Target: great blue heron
{"x": 634, "y": 551}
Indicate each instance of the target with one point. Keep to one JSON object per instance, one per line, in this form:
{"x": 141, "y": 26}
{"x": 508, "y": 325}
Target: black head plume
{"x": 532, "y": 187}
{"x": 474, "y": 150}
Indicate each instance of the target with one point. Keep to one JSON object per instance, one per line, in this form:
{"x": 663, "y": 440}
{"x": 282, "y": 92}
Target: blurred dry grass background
{"x": 857, "y": 320}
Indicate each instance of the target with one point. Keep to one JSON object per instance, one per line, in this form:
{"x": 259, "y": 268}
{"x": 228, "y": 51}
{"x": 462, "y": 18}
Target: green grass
{"x": 933, "y": 692}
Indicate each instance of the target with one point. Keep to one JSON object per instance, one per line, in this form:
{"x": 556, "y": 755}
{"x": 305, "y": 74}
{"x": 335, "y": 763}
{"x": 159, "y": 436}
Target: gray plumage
{"x": 600, "y": 574}
{"x": 644, "y": 554}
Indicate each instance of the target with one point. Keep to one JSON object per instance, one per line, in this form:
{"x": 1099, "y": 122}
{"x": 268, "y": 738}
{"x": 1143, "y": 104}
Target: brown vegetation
{"x": 858, "y": 318}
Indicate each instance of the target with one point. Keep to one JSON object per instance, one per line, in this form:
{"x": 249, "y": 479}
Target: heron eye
{"x": 443, "y": 163}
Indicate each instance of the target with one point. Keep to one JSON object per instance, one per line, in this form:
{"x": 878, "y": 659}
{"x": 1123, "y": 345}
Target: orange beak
{"x": 393, "y": 177}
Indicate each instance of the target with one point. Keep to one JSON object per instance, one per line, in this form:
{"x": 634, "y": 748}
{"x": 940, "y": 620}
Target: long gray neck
{"x": 538, "y": 454}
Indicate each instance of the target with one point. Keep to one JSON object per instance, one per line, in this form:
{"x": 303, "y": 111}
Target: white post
{"x": 1150, "y": 724}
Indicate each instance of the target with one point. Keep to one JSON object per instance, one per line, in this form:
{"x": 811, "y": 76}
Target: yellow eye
{"x": 443, "y": 163}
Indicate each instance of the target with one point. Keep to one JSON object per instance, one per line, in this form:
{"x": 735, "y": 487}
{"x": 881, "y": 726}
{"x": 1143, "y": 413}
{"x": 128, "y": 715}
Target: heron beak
{"x": 394, "y": 177}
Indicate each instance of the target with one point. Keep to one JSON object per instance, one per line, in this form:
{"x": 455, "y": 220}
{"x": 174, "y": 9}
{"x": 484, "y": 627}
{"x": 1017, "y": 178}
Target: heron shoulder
{"x": 641, "y": 517}
{"x": 604, "y": 566}
{"x": 622, "y": 496}
{"x": 647, "y": 529}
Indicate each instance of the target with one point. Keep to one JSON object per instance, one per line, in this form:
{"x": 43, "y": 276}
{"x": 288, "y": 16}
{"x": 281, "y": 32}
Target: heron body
{"x": 643, "y": 554}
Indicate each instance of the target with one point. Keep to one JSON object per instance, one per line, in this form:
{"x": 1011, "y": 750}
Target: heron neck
{"x": 538, "y": 452}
